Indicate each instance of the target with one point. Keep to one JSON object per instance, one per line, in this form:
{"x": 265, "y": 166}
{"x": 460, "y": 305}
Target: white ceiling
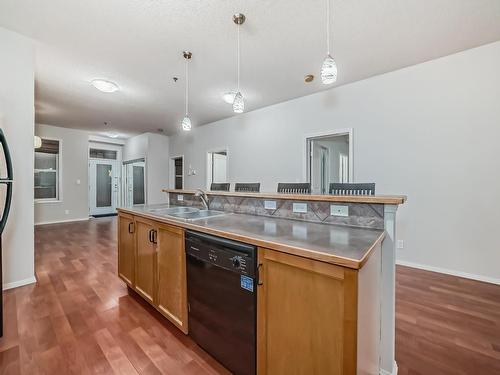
{"x": 138, "y": 45}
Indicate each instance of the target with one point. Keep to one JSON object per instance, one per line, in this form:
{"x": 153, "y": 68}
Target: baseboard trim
{"x": 394, "y": 370}
{"x": 17, "y": 284}
{"x": 62, "y": 221}
{"x": 484, "y": 279}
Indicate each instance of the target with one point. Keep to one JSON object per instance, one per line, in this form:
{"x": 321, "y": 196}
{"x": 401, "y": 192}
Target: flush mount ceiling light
{"x": 329, "y": 68}
{"x": 228, "y": 97}
{"x": 238, "y": 102}
{"x": 186, "y": 121}
{"x": 104, "y": 85}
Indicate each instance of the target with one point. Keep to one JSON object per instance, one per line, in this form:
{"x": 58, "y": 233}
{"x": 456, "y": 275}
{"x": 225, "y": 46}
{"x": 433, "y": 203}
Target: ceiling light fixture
{"x": 228, "y": 97}
{"x": 238, "y": 102}
{"x": 104, "y": 85}
{"x": 329, "y": 68}
{"x": 186, "y": 121}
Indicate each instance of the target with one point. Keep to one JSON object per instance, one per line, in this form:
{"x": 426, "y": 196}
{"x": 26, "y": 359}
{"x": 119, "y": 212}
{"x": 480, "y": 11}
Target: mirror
{"x": 329, "y": 159}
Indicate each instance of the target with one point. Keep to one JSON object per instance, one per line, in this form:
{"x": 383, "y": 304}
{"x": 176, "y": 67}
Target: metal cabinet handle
{"x": 151, "y": 235}
{"x": 131, "y": 227}
{"x": 155, "y": 236}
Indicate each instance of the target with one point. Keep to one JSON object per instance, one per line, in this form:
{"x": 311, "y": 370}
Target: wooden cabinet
{"x": 152, "y": 261}
{"x": 145, "y": 266}
{"x": 126, "y": 249}
{"x": 307, "y": 316}
{"x": 171, "y": 275}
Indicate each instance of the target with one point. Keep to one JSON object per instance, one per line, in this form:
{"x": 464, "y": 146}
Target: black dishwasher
{"x": 222, "y": 299}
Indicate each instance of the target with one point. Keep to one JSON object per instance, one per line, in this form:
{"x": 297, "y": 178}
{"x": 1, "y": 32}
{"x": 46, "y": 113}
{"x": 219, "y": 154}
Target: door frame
{"x": 124, "y": 164}
{"x": 171, "y": 174}
{"x": 306, "y": 174}
{"x": 208, "y": 170}
{"x": 115, "y": 164}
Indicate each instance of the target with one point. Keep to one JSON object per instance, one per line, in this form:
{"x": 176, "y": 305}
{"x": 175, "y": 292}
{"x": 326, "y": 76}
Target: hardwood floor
{"x": 79, "y": 318}
{"x": 446, "y": 325}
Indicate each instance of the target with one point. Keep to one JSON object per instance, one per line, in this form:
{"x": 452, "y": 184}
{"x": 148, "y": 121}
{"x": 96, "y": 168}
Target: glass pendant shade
{"x": 328, "y": 71}
{"x": 238, "y": 103}
{"x": 186, "y": 124}
{"x": 38, "y": 142}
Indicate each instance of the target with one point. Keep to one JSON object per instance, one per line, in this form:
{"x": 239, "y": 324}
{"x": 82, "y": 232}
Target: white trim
{"x": 334, "y": 132}
{"x": 17, "y": 284}
{"x": 45, "y": 201}
{"x": 447, "y": 271}
{"x": 61, "y": 221}
{"x": 112, "y": 141}
{"x": 394, "y": 370}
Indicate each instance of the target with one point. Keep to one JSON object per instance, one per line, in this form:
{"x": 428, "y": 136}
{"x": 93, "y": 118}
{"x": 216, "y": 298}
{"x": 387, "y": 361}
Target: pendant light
{"x": 186, "y": 121}
{"x": 238, "y": 103}
{"x": 329, "y": 68}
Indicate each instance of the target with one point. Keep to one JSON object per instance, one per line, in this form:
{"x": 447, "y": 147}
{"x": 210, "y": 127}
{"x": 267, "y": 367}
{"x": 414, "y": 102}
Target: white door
{"x": 104, "y": 186}
{"x": 219, "y": 168}
{"x": 134, "y": 177}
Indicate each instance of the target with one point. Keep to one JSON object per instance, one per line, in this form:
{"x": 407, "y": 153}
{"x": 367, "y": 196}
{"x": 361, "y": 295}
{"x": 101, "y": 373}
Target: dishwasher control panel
{"x": 231, "y": 255}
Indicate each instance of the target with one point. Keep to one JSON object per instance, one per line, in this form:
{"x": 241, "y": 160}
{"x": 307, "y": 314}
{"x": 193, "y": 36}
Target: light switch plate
{"x": 300, "y": 208}
{"x": 270, "y": 205}
{"x": 180, "y": 197}
{"x": 336, "y": 210}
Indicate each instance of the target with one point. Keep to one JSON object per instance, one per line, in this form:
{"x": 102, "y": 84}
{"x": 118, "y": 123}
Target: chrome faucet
{"x": 203, "y": 196}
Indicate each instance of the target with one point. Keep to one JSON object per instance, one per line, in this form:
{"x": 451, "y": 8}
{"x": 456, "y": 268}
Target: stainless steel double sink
{"x": 185, "y": 213}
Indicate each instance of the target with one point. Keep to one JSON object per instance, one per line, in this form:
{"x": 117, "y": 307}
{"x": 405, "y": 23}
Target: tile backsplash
{"x": 364, "y": 215}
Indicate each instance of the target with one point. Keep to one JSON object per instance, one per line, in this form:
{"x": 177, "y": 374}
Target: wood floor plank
{"x": 446, "y": 325}
{"x": 79, "y": 318}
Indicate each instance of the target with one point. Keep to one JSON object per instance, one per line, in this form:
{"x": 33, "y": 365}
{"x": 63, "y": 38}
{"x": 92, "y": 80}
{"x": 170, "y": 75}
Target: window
{"x": 47, "y": 172}
{"x": 96, "y": 153}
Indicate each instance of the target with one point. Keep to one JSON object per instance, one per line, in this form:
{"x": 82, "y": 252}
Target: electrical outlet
{"x": 270, "y": 205}
{"x": 400, "y": 244}
{"x": 336, "y": 210}
{"x": 180, "y": 197}
{"x": 66, "y": 212}
{"x": 300, "y": 208}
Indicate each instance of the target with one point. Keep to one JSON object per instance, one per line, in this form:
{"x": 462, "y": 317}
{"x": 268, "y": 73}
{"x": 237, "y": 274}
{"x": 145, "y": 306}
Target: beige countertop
{"x": 373, "y": 199}
{"x": 340, "y": 245}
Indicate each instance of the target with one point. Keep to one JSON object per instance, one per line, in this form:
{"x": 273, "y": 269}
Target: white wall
{"x": 154, "y": 148}
{"x": 73, "y": 167}
{"x": 430, "y": 131}
{"x": 17, "y": 121}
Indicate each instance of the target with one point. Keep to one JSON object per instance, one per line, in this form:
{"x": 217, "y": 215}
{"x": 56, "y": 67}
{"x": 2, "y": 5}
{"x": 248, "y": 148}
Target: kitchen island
{"x": 318, "y": 288}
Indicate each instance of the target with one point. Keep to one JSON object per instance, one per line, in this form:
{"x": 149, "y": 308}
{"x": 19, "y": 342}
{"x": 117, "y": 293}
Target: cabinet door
{"x": 126, "y": 248}
{"x": 146, "y": 259}
{"x": 171, "y": 269}
{"x": 306, "y": 319}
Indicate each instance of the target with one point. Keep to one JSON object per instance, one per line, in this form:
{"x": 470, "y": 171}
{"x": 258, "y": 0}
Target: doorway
{"x": 216, "y": 167}
{"x": 328, "y": 160}
{"x": 176, "y": 169}
{"x": 104, "y": 187}
{"x": 134, "y": 172}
